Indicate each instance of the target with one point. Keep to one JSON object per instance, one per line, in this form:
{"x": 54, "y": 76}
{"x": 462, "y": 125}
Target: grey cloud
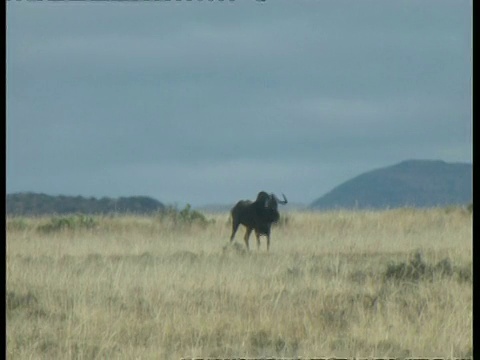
{"x": 101, "y": 90}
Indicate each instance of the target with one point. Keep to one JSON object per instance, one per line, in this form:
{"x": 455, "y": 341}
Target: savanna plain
{"x": 393, "y": 283}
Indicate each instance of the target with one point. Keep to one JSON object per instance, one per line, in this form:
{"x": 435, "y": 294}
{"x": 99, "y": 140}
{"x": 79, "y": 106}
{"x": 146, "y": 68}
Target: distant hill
{"x": 417, "y": 183}
{"x": 28, "y": 204}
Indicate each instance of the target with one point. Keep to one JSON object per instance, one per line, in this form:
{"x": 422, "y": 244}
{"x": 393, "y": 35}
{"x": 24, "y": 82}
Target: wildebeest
{"x": 257, "y": 215}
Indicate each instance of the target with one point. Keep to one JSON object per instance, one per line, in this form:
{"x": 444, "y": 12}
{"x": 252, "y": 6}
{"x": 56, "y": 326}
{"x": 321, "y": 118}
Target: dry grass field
{"x": 394, "y": 283}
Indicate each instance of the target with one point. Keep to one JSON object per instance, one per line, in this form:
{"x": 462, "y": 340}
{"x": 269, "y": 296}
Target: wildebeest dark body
{"x": 257, "y": 215}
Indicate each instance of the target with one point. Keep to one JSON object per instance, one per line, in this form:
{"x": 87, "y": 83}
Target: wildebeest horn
{"x": 280, "y": 201}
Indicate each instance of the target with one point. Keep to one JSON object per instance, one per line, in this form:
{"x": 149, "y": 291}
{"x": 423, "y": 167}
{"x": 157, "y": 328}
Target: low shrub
{"x": 417, "y": 269}
{"x": 184, "y": 217}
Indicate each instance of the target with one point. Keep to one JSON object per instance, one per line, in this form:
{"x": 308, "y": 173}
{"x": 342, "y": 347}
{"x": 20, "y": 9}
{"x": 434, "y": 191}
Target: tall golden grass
{"x": 394, "y": 283}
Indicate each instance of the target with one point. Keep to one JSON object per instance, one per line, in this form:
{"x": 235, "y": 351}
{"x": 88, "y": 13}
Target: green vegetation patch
{"x": 17, "y": 224}
{"x": 73, "y": 222}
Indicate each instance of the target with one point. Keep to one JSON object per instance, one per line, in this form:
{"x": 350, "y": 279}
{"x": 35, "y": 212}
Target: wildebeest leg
{"x": 234, "y": 230}
{"x": 268, "y": 241}
{"x": 257, "y": 234}
{"x": 247, "y": 235}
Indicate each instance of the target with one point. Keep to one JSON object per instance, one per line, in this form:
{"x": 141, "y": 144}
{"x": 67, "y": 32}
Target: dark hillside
{"x": 418, "y": 183}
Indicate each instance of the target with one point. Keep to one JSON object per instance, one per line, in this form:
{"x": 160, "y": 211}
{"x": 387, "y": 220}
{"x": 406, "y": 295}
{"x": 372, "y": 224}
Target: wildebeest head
{"x": 268, "y": 206}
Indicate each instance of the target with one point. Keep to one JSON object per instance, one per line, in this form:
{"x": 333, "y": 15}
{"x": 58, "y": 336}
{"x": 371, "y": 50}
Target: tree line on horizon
{"x": 34, "y": 204}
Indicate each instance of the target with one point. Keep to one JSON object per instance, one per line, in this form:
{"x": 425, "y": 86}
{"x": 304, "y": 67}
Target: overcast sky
{"x": 207, "y": 102}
